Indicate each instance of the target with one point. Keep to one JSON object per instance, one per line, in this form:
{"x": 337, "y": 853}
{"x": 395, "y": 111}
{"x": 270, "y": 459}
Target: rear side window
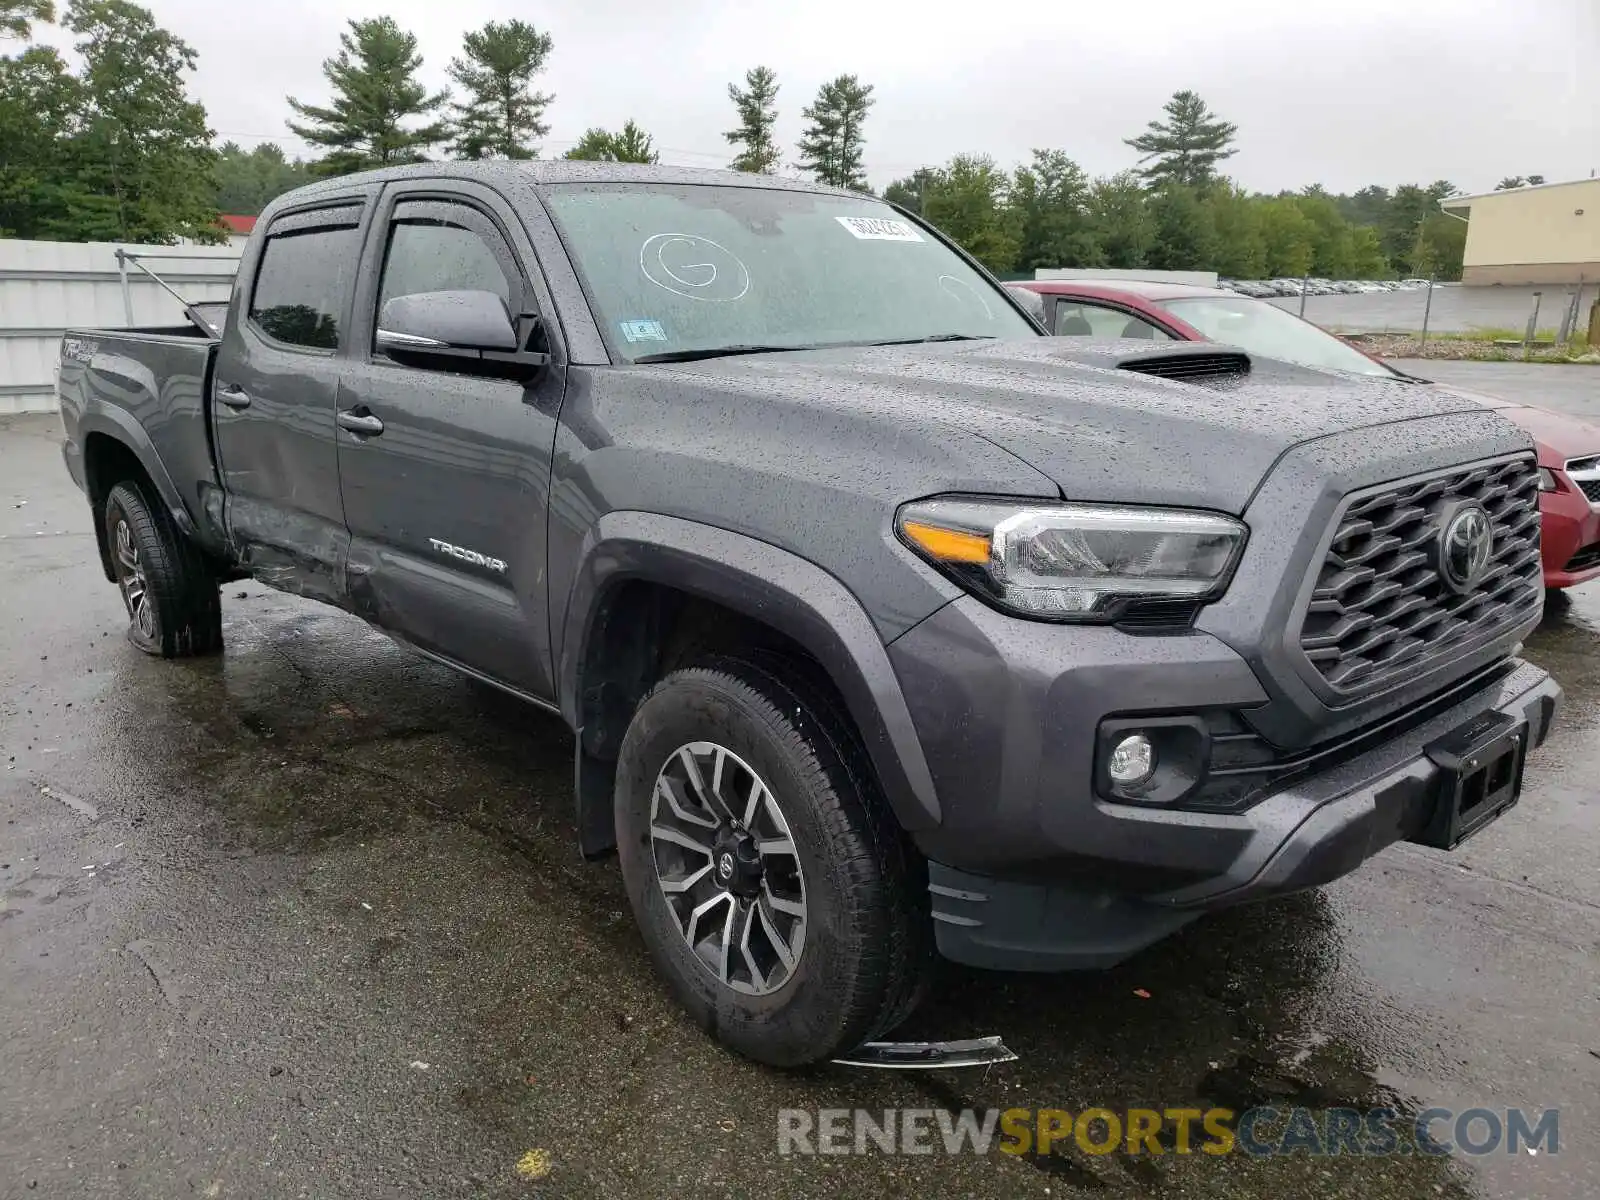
{"x": 302, "y": 283}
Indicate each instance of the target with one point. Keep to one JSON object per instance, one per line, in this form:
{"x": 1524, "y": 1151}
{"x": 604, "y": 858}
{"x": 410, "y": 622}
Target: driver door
{"x": 445, "y": 470}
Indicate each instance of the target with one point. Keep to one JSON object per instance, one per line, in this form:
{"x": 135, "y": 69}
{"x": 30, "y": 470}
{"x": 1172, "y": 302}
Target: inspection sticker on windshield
{"x": 643, "y": 331}
{"x": 879, "y": 229}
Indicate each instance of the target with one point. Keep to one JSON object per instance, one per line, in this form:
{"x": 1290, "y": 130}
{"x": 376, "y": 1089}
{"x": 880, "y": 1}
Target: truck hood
{"x": 1099, "y": 432}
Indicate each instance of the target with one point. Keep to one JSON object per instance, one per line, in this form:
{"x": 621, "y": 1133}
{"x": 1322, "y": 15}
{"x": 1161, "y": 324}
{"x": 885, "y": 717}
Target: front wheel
{"x": 773, "y": 891}
{"x": 174, "y": 610}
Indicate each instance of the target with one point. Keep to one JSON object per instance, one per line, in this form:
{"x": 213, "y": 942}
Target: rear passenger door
{"x": 447, "y": 506}
{"x": 273, "y": 397}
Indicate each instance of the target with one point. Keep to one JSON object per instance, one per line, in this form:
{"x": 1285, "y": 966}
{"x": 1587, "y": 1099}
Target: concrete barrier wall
{"x": 47, "y": 287}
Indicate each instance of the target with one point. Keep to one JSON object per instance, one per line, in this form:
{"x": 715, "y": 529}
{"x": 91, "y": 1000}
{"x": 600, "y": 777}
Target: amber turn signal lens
{"x": 948, "y": 545}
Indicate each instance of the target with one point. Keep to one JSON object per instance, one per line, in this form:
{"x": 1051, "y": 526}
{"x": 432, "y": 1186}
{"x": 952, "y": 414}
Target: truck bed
{"x": 150, "y": 389}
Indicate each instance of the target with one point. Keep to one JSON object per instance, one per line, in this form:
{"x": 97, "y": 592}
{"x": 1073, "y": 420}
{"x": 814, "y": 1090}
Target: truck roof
{"x": 539, "y": 173}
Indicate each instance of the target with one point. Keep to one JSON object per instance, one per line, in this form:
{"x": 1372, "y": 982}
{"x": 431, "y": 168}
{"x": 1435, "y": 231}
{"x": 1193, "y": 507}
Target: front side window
{"x": 438, "y": 256}
{"x": 680, "y": 269}
{"x": 1091, "y": 320}
{"x": 301, "y": 286}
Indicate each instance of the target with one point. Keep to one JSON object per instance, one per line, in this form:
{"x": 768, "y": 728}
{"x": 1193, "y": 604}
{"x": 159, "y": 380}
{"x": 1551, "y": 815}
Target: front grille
{"x": 1585, "y": 472}
{"x": 1192, "y": 367}
{"x": 1379, "y": 608}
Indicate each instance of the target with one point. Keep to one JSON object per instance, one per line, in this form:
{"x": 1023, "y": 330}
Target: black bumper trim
{"x": 1027, "y": 926}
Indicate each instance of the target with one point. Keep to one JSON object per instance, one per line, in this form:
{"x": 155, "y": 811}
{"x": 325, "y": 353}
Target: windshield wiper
{"x": 673, "y": 356}
{"x": 937, "y": 337}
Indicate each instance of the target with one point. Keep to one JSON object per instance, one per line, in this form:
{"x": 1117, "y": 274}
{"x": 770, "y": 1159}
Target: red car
{"x": 1569, "y": 449}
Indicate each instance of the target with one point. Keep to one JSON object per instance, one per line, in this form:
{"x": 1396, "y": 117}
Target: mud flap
{"x": 593, "y": 784}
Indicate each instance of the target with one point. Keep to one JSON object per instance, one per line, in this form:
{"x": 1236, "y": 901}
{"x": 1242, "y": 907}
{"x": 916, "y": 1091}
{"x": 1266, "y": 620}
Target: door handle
{"x": 359, "y": 422}
{"x": 233, "y": 396}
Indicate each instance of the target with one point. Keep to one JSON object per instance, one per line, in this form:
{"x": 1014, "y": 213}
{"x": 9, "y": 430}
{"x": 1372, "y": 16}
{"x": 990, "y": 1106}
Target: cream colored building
{"x": 1544, "y": 234}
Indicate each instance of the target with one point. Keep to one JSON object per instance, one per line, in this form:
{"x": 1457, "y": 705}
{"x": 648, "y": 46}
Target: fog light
{"x": 1133, "y": 760}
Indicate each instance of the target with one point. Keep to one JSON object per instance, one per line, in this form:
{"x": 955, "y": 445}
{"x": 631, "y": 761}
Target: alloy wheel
{"x": 727, "y": 866}
{"x": 131, "y": 580}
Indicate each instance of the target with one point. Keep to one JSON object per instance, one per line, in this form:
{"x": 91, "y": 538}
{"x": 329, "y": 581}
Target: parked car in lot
{"x": 1569, "y": 448}
{"x": 881, "y": 626}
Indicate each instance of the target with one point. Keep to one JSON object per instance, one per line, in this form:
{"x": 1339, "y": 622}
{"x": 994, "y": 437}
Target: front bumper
{"x": 1569, "y": 537}
{"x": 1030, "y": 870}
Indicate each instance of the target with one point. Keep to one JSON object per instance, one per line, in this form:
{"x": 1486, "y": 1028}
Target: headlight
{"x": 1547, "y": 480}
{"x": 1074, "y": 562}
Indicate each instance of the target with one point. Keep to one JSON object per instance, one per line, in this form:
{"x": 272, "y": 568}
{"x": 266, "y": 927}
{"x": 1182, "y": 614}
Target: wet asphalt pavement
{"x": 306, "y": 920}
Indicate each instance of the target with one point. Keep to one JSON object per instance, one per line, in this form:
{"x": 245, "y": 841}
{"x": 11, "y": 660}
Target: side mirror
{"x": 458, "y": 320}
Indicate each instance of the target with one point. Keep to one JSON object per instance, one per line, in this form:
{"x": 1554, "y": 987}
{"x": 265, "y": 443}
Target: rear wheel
{"x": 774, "y": 892}
{"x": 174, "y": 609}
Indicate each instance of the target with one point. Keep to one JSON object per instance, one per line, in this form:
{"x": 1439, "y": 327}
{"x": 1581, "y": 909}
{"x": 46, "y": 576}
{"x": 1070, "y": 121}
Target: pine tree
{"x": 831, "y": 146}
{"x": 17, "y": 16}
{"x": 757, "y": 105}
{"x": 501, "y": 117}
{"x": 1186, "y": 148}
{"x": 375, "y": 93}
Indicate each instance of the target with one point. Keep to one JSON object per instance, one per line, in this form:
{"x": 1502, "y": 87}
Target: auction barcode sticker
{"x": 879, "y": 229}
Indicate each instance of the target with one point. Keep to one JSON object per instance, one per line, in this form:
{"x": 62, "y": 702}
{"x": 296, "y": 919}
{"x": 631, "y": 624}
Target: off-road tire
{"x": 867, "y": 955}
{"x": 185, "y": 607}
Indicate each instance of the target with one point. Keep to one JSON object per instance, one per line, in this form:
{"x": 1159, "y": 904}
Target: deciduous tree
{"x": 832, "y": 144}
{"x": 630, "y": 144}
{"x": 968, "y": 203}
{"x": 377, "y": 102}
{"x": 1119, "y": 215}
{"x": 502, "y": 116}
{"x": 1185, "y": 230}
{"x": 910, "y": 192}
{"x": 1286, "y": 235}
{"x": 1051, "y": 200}
{"x": 249, "y": 180}
{"x": 757, "y": 106}
{"x": 137, "y": 164}
{"x": 1241, "y": 245}
{"x": 40, "y": 100}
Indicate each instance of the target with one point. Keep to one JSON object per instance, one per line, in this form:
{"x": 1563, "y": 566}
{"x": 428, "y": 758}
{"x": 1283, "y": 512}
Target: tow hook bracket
{"x": 928, "y": 1056}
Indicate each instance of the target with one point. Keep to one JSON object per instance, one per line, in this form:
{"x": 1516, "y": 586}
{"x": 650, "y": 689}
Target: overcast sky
{"x": 1341, "y": 92}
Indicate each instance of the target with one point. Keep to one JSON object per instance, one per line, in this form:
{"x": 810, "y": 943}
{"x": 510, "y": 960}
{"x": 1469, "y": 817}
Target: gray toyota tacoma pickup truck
{"x": 886, "y": 624}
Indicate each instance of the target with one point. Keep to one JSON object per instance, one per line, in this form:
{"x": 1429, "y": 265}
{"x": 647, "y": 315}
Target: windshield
{"x": 1265, "y": 329}
{"x": 676, "y": 269}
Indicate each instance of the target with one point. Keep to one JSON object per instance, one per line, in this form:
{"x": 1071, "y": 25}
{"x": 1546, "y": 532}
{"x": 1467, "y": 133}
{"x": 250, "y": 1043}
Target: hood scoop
{"x": 1192, "y": 367}
{"x": 1187, "y": 362}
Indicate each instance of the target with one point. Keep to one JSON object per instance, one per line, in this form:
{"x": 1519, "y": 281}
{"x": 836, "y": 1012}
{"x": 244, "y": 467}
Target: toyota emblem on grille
{"x": 1466, "y": 542}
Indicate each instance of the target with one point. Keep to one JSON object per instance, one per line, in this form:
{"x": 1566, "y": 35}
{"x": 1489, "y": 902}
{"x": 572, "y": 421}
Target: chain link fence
{"x": 1457, "y": 321}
